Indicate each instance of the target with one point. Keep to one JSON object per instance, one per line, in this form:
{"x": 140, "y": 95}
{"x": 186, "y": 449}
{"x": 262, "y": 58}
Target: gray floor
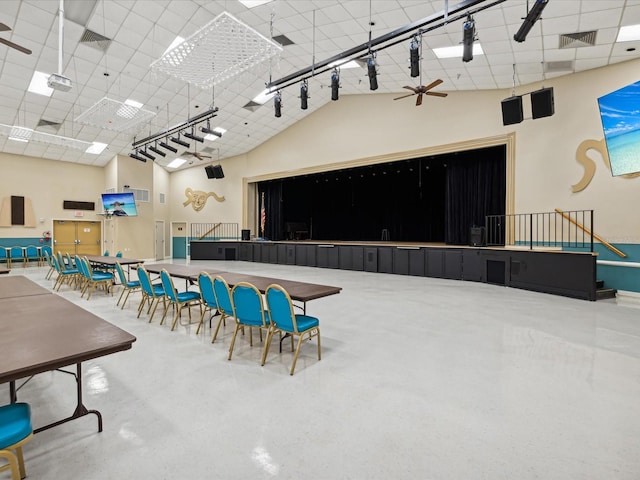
{"x": 420, "y": 378}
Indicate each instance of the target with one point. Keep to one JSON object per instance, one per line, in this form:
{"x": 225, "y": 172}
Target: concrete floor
{"x": 420, "y": 378}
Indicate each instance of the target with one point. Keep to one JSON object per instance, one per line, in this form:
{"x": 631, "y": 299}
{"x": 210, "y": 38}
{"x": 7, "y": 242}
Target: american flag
{"x": 263, "y": 216}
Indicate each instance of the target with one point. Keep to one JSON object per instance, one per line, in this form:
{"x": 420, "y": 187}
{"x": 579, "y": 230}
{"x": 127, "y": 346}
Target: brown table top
{"x": 112, "y": 260}
{"x": 20, "y": 286}
{"x": 46, "y": 332}
{"x": 300, "y": 291}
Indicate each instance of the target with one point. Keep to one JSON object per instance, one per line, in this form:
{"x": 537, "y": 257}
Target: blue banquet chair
{"x": 15, "y": 431}
{"x": 248, "y": 310}
{"x": 178, "y": 299}
{"x": 285, "y": 320}
{"x": 223, "y": 300}
{"x": 151, "y": 294}
{"x": 127, "y": 285}
{"x": 209, "y": 303}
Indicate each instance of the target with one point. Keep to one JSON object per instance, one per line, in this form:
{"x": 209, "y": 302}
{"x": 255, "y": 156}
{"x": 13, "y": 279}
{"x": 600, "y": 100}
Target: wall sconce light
{"x": 468, "y": 37}
{"x": 372, "y": 73}
{"x": 335, "y": 84}
{"x": 414, "y": 57}
{"x": 531, "y": 18}
{"x": 304, "y": 95}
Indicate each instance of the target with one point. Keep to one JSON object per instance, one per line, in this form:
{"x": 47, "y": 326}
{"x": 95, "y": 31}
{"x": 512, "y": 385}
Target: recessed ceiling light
{"x": 263, "y": 97}
{"x": 456, "y": 51}
{"x": 177, "y": 163}
{"x": 177, "y": 41}
{"x": 628, "y": 33}
{"x": 96, "y": 148}
{"x": 133, "y": 103}
{"x": 39, "y": 84}
{"x": 345, "y": 66}
{"x": 253, "y": 3}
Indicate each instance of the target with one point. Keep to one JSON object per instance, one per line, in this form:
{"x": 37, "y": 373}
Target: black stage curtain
{"x": 476, "y": 187}
{"x": 273, "y": 209}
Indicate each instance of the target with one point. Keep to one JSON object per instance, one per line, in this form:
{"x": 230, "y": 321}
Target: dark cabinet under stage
{"x": 569, "y": 274}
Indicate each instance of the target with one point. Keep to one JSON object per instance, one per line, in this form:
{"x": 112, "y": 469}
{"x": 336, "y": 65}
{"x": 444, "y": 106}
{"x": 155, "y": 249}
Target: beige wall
{"x": 358, "y": 129}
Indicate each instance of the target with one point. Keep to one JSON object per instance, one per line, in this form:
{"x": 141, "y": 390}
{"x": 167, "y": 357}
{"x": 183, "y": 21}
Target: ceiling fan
{"x": 423, "y": 90}
{"x": 20, "y": 48}
{"x": 198, "y": 155}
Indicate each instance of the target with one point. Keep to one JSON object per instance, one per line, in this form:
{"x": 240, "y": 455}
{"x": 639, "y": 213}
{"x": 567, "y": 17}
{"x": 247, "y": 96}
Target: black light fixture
{"x": 277, "y": 104}
{"x": 155, "y": 149}
{"x": 148, "y": 155}
{"x": 179, "y": 141}
{"x": 531, "y": 18}
{"x": 168, "y": 147}
{"x": 335, "y": 84}
{"x": 208, "y": 131}
{"x": 193, "y": 136}
{"x": 304, "y": 95}
{"x": 414, "y": 57}
{"x": 468, "y": 37}
{"x": 372, "y": 73}
{"x": 137, "y": 157}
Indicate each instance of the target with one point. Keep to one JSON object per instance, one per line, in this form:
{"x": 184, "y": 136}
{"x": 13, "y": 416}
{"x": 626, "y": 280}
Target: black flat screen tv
{"x": 119, "y": 204}
{"x": 620, "y": 116}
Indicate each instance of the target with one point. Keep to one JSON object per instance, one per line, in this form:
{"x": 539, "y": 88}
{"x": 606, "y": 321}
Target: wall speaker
{"x": 209, "y": 170}
{"x": 476, "y": 237}
{"x": 246, "y": 235}
{"x": 217, "y": 171}
{"x": 511, "y": 110}
{"x": 542, "y": 103}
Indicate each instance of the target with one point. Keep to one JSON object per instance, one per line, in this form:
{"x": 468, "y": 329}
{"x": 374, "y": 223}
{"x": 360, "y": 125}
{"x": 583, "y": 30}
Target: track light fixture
{"x": 304, "y": 95}
{"x": 335, "y": 83}
{"x": 531, "y": 18}
{"x": 168, "y": 147}
{"x": 193, "y": 135}
{"x": 468, "y": 37}
{"x": 207, "y": 130}
{"x": 148, "y": 155}
{"x": 372, "y": 73}
{"x": 137, "y": 157}
{"x": 179, "y": 141}
{"x": 277, "y": 104}
{"x": 414, "y": 56}
{"x": 155, "y": 149}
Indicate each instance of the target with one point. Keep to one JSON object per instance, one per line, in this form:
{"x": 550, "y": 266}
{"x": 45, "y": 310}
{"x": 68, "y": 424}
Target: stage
{"x": 571, "y": 274}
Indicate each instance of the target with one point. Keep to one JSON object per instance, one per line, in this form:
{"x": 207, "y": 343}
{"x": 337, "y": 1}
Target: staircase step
{"x": 603, "y": 293}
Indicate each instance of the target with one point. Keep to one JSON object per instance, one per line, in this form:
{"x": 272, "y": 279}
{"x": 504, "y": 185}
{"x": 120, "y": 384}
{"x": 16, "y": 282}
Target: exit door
{"x": 77, "y": 237}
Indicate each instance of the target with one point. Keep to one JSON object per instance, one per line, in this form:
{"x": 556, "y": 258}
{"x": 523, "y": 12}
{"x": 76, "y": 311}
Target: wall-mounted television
{"x": 119, "y": 204}
{"x": 620, "y": 115}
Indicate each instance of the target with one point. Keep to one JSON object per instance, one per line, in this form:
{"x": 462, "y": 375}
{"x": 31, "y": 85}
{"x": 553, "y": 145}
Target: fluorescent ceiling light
{"x": 39, "y": 84}
{"x": 177, "y": 163}
{"x": 628, "y": 33}
{"x": 345, "y": 66}
{"x": 96, "y": 148}
{"x": 456, "y": 51}
{"x": 129, "y": 108}
{"x": 253, "y": 3}
{"x": 133, "y": 103}
{"x": 20, "y": 134}
{"x": 264, "y": 96}
{"x": 213, "y": 138}
{"x": 177, "y": 41}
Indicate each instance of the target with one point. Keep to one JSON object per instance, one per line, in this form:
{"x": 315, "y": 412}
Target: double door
{"x": 77, "y": 237}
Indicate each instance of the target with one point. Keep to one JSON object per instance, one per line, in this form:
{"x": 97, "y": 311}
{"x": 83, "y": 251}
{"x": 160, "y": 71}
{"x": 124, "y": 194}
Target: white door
{"x": 159, "y": 240}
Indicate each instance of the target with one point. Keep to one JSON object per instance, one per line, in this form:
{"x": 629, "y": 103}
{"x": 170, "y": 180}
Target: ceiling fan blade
{"x": 4, "y": 28}
{"x": 405, "y": 96}
{"x": 435, "y": 83}
{"x": 436, "y": 94}
{"x": 419, "y": 100}
{"x": 16, "y": 46}
{"x": 413, "y": 89}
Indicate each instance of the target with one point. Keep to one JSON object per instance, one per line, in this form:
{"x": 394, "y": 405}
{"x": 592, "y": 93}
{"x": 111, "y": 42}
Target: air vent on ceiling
{"x": 48, "y": 123}
{"x": 283, "y": 40}
{"x": 559, "y": 66}
{"x": 95, "y": 40}
{"x": 252, "y": 106}
{"x": 208, "y": 149}
{"x": 578, "y": 39}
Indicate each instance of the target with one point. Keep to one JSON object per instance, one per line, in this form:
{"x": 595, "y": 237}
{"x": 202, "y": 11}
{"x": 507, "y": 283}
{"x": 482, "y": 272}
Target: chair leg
{"x": 233, "y": 339}
{"x": 202, "y": 312}
{"x": 177, "y": 316}
{"x": 222, "y": 319}
{"x": 20, "y": 457}
{"x": 267, "y": 344}
{"x": 295, "y": 357}
{"x": 13, "y": 463}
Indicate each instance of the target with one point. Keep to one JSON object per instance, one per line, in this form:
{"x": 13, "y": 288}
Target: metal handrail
{"x": 593, "y": 235}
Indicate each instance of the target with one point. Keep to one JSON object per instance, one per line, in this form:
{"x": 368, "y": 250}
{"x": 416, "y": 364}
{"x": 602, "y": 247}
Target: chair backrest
{"x": 145, "y": 281}
{"x": 46, "y": 249}
{"x": 32, "y": 251}
{"x": 121, "y": 275}
{"x": 247, "y": 304}
{"x": 106, "y": 253}
{"x": 16, "y": 252}
{"x": 280, "y": 308}
{"x": 223, "y": 295}
{"x": 3, "y": 252}
{"x": 169, "y": 287}
{"x": 63, "y": 266}
{"x": 47, "y": 257}
{"x": 205, "y": 283}
{"x": 69, "y": 262}
{"x": 119, "y": 254}
{"x": 82, "y": 267}
{"x": 56, "y": 263}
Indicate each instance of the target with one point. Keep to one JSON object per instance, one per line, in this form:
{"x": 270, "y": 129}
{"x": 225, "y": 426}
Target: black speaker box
{"x": 73, "y": 205}
{"x": 511, "y": 110}
{"x": 476, "y": 237}
{"x": 246, "y": 235}
{"x": 210, "y": 172}
{"x": 542, "y": 103}
{"x": 217, "y": 171}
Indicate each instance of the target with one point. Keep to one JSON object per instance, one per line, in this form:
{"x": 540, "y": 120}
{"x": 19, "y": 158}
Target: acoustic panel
{"x": 542, "y": 103}
{"x": 17, "y": 210}
{"x": 512, "y": 110}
